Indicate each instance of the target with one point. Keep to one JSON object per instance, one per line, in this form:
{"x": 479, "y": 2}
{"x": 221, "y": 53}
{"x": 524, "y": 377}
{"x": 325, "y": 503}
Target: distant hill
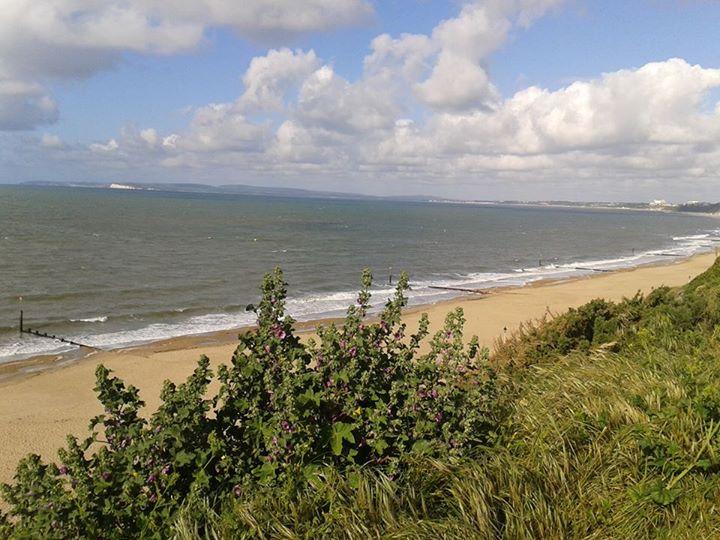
{"x": 233, "y": 189}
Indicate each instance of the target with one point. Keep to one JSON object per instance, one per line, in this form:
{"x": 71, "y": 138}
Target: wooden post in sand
{"x": 21, "y": 322}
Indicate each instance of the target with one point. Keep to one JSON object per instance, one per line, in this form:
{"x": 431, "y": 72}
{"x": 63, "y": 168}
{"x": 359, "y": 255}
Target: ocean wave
{"x": 319, "y": 305}
{"x": 102, "y": 318}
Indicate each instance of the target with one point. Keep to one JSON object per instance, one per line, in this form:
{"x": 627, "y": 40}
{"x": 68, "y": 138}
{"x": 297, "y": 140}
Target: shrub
{"x": 360, "y": 396}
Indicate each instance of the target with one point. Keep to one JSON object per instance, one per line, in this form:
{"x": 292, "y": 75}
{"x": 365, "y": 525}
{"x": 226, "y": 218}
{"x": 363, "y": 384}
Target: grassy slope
{"x": 613, "y": 413}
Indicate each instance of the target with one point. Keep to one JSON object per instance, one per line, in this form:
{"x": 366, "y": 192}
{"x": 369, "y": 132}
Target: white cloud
{"x": 328, "y": 101}
{"x": 46, "y": 39}
{"x": 459, "y": 78}
{"x": 101, "y": 148}
{"x": 457, "y": 83}
{"x": 659, "y": 103}
{"x": 269, "y": 77}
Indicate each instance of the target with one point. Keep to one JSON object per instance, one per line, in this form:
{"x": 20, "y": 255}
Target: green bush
{"x": 360, "y": 397}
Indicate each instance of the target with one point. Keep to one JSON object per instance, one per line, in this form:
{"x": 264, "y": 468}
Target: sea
{"x": 113, "y": 268}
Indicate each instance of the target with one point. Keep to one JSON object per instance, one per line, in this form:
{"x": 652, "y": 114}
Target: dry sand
{"x": 37, "y": 410}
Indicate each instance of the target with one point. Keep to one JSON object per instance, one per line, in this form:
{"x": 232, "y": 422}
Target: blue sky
{"x": 521, "y": 98}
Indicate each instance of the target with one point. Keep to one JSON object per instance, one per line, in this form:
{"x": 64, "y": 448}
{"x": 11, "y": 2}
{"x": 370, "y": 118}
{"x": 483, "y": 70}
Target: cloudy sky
{"x": 530, "y": 99}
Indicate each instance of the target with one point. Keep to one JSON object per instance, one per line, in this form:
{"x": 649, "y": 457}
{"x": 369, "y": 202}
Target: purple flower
{"x": 438, "y": 417}
{"x": 106, "y": 476}
{"x": 433, "y": 393}
{"x": 153, "y": 498}
{"x": 237, "y": 490}
{"x": 166, "y": 469}
{"x": 267, "y": 349}
{"x": 285, "y": 425}
{"x": 63, "y": 469}
{"x": 353, "y": 352}
{"x": 343, "y": 343}
{"x": 279, "y": 332}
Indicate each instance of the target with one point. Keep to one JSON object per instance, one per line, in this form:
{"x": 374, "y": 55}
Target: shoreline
{"x": 38, "y": 410}
{"x": 20, "y": 369}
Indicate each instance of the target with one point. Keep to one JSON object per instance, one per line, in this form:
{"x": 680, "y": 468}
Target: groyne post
{"x": 37, "y": 333}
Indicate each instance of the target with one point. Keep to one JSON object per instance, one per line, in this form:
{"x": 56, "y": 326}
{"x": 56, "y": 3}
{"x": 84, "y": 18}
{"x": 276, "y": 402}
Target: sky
{"x": 615, "y": 100}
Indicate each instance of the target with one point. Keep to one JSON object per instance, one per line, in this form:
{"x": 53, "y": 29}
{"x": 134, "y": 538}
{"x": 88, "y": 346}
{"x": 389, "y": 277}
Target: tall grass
{"x": 611, "y": 431}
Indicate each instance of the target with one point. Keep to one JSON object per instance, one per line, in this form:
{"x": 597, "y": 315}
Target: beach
{"x": 39, "y": 408}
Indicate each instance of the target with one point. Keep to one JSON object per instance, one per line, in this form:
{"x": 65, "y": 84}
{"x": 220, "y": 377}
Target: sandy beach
{"x": 39, "y": 408}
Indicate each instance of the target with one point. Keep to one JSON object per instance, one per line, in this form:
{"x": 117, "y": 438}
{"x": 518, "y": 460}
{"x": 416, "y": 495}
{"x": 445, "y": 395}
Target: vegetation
{"x": 603, "y": 422}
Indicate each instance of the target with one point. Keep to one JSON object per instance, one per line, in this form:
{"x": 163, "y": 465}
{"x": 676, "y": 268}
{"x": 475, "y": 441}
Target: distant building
{"x": 659, "y": 203}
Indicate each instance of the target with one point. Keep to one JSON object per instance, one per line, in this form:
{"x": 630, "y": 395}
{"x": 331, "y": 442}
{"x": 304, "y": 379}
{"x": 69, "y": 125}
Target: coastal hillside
{"x": 600, "y": 423}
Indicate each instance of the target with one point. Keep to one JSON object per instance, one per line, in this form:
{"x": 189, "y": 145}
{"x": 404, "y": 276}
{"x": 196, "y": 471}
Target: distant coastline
{"x": 690, "y": 207}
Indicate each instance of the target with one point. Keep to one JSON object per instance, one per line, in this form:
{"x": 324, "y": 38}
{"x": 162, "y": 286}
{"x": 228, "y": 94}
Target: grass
{"x": 611, "y": 431}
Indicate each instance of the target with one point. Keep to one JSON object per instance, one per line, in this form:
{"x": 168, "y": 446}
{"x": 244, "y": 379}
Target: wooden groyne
{"x": 37, "y": 333}
{"x": 460, "y": 289}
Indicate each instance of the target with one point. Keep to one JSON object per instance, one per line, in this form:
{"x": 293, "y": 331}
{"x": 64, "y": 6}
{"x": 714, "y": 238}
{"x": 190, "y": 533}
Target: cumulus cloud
{"x": 57, "y": 39}
{"x": 659, "y": 103}
{"x": 269, "y": 77}
{"x": 459, "y": 78}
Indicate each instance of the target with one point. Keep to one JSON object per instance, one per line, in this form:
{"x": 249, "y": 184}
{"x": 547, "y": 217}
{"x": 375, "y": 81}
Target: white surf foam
{"x": 91, "y": 319}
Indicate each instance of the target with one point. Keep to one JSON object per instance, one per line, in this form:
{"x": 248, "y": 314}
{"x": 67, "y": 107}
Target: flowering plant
{"x": 360, "y": 395}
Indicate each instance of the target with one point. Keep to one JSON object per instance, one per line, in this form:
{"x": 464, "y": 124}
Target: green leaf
{"x": 266, "y": 473}
{"x": 380, "y": 446}
{"x": 353, "y": 479}
{"x": 421, "y": 447}
{"x": 183, "y": 458}
{"x": 341, "y": 431}
{"x": 309, "y": 397}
